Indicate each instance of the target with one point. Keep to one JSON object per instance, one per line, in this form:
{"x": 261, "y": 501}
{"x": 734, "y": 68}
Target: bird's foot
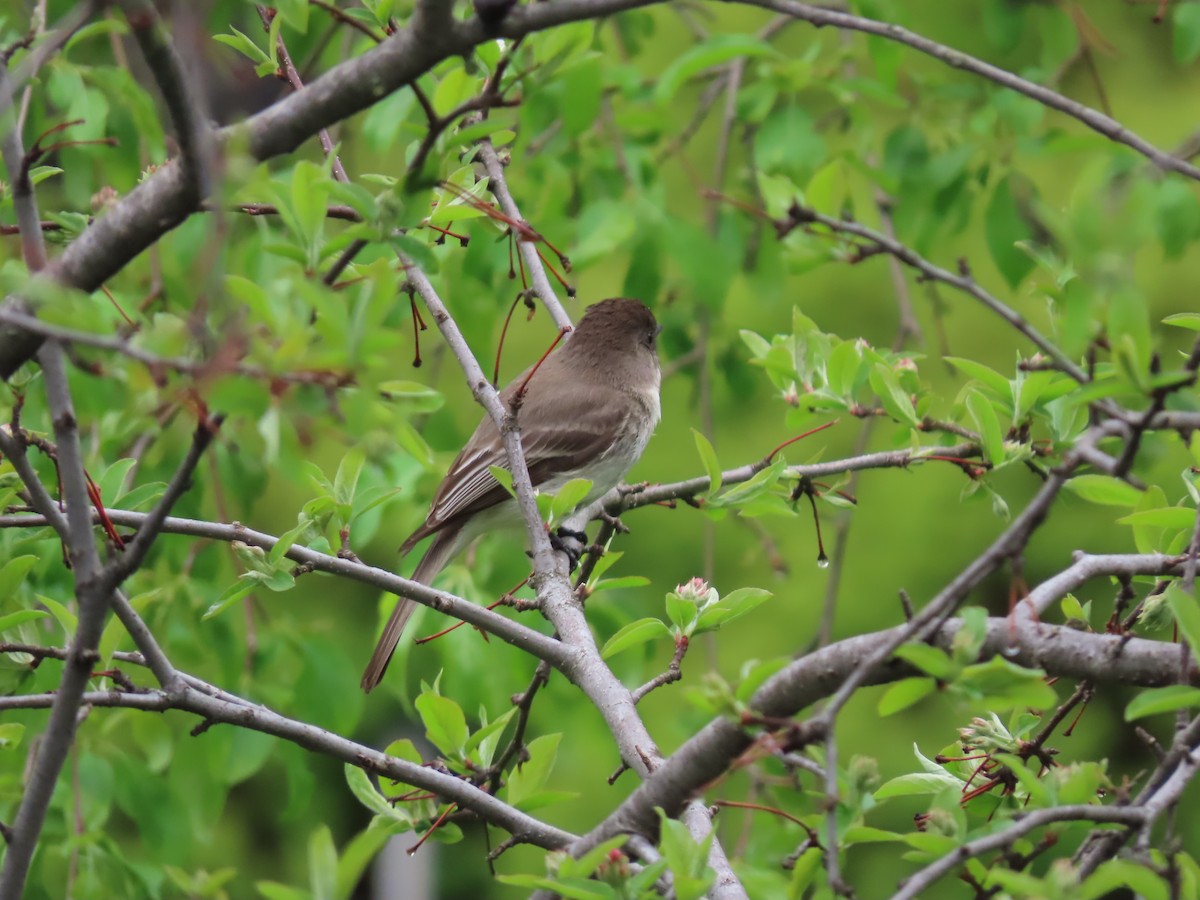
{"x": 571, "y": 542}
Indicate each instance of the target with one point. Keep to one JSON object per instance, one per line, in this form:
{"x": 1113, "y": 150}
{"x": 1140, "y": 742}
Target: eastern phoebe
{"x": 588, "y": 412}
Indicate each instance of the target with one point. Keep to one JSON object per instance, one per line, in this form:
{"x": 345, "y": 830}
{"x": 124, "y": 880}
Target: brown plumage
{"x": 587, "y": 412}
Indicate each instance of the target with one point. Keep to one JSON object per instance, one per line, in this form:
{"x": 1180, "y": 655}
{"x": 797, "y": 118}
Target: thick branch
{"x": 1057, "y": 650}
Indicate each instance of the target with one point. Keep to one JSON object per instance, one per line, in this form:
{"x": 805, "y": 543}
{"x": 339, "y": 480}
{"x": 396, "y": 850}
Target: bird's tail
{"x": 431, "y": 564}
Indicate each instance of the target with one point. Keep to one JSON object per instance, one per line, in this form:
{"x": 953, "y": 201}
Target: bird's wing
{"x": 561, "y": 440}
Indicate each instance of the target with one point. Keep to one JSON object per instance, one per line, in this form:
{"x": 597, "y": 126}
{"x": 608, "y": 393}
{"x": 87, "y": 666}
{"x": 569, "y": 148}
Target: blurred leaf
{"x": 1104, "y": 489}
{"x": 706, "y": 55}
{"x": 708, "y": 458}
{"x": 12, "y": 620}
{"x": 1005, "y": 229}
{"x": 528, "y": 778}
{"x": 13, "y": 575}
{"x": 1185, "y": 32}
{"x": 632, "y": 634}
{"x": 445, "y": 724}
{"x": 905, "y": 693}
{"x": 1152, "y": 701}
{"x": 569, "y": 496}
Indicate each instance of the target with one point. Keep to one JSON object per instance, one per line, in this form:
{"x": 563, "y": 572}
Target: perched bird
{"x": 587, "y": 412}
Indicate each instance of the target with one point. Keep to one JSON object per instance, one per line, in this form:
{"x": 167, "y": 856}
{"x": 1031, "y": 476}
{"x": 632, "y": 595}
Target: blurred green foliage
{"x": 622, "y": 129}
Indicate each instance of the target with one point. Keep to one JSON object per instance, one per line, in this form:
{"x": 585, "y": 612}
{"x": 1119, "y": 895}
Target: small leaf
{"x": 10, "y": 735}
{"x": 13, "y": 574}
{"x": 528, "y": 778}
{"x": 1005, "y": 228}
{"x": 705, "y": 55}
{"x": 346, "y": 480}
{"x": 1105, "y": 490}
{"x": 708, "y": 456}
{"x": 242, "y": 44}
{"x": 569, "y": 496}
{"x": 1189, "y": 320}
{"x": 1160, "y": 700}
{"x": 229, "y": 596}
{"x": 1003, "y": 685}
{"x": 1166, "y": 516}
{"x": 730, "y": 607}
{"x": 62, "y": 615}
{"x": 988, "y": 423}
{"x": 632, "y": 634}
{"x": 1185, "y": 32}
{"x": 445, "y": 724}
{"x": 928, "y": 659}
{"x": 905, "y": 693}
{"x": 895, "y": 400}
{"x": 12, "y": 620}
{"x": 986, "y": 376}
{"x": 360, "y": 785}
{"x": 504, "y": 478}
{"x": 1187, "y": 614}
{"x": 322, "y": 864}
{"x": 488, "y": 736}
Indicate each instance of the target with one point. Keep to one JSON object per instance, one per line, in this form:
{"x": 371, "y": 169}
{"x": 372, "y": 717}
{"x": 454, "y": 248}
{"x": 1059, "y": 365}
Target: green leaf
{"x": 1005, "y": 229}
{"x": 894, "y": 398}
{"x": 10, "y": 735}
{"x": 1187, "y": 614}
{"x": 1185, "y": 32}
{"x": 1191, "y": 321}
{"x": 272, "y": 890}
{"x": 905, "y": 693}
{"x": 286, "y": 541}
{"x": 113, "y": 479}
{"x": 706, "y": 55}
{"x": 405, "y": 749}
{"x": 984, "y": 414}
{"x": 488, "y": 737}
{"x": 416, "y": 397}
{"x": 528, "y": 778}
{"x": 730, "y": 607}
{"x": 346, "y": 480}
{"x": 361, "y": 852}
{"x": 360, "y": 785}
{"x": 988, "y": 377}
{"x": 1166, "y": 516}
{"x": 687, "y": 860}
{"x": 61, "y": 614}
{"x": 634, "y": 633}
{"x": 231, "y": 595}
{"x": 504, "y": 477}
{"x": 1164, "y": 699}
{"x": 1122, "y": 877}
{"x": 243, "y": 45}
{"x": 1002, "y": 685}
{"x": 865, "y": 834}
{"x": 13, "y": 574}
{"x": 708, "y": 457}
{"x": 322, "y": 864}
{"x": 1105, "y": 490}
{"x": 12, "y": 620}
{"x": 569, "y": 496}
{"x": 445, "y": 724}
{"x": 930, "y": 660}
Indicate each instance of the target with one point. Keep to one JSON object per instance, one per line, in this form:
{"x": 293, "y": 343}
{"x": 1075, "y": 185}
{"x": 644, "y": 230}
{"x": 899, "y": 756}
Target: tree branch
{"x": 522, "y": 636}
{"x": 1097, "y": 121}
{"x": 93, "y": 598}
